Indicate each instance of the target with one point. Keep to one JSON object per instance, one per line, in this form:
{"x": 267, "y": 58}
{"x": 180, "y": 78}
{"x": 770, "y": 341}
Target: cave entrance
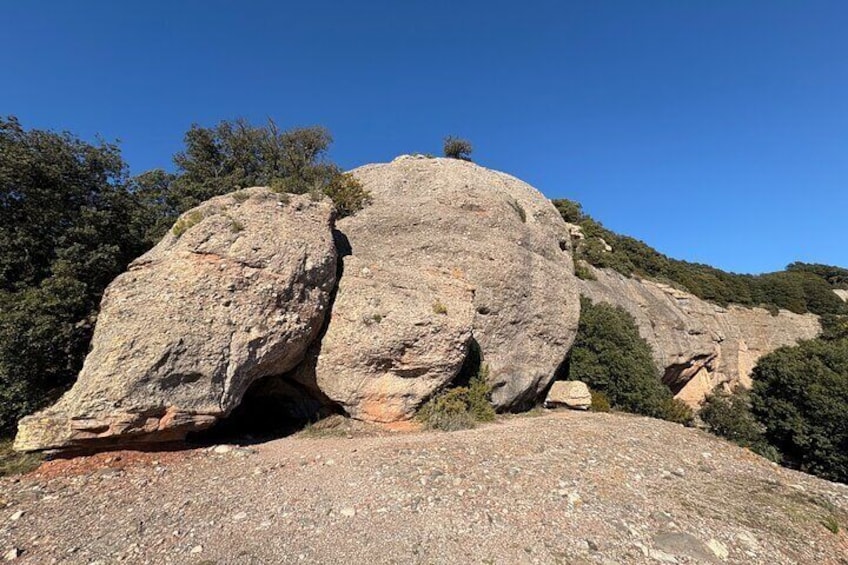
{"x": 273, "y": 407}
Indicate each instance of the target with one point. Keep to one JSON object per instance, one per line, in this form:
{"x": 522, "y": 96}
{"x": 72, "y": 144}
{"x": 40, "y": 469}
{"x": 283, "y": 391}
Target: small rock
{"x": 17, "y": 516}
{"x": 12, "y": 554}
{"x": 240, "y": 516}
{"x": 348, "y": 512}
{"x": 719, "y": 549}
{"x": 196, "y": 549}
{"x": 221, "y": 449}
{"x": 747, "y": 540}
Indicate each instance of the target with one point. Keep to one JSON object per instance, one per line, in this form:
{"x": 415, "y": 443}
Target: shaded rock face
{"x": 236, "y": 292}
{"x": 447, "y": 250}
{"x": 698, "y": 345}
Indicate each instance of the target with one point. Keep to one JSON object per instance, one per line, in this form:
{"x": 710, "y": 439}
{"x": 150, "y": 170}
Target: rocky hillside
{"x": 697, "y": 344}
{"x": 567, "y": 487}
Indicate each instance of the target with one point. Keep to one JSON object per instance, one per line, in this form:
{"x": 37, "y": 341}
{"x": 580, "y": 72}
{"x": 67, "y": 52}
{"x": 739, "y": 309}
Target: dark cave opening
{"x": 280, "y": 405}
{"x": 273, "y": 407}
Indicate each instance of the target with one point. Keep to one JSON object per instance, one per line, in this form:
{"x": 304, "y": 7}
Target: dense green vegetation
{"x": 797, "y": 410}
{"x": 800, "y": 396}
{"x": 71, "y": 219}
{"x": 611, "y": 357}
{"x": 729, "y": 415}
{"x": 801, "y": 288}
{"x": 796, "y": 413}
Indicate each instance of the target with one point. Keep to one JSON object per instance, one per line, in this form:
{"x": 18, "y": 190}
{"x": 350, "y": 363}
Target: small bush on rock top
{"x": 348, "y": 194}
{"x": 456, "y": 148}
{"x": 460, "y": 407}
{"x": 186, "y": 223}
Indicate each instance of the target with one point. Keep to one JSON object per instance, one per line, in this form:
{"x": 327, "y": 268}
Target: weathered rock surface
{"x": 572, "y": 394}
{"x": 842, "y": 293}
{"x": 396, "y": 337}
{"x": 238, "y": 295}
{"x": 434, "y": 227}
{"x": 698, "y": 345}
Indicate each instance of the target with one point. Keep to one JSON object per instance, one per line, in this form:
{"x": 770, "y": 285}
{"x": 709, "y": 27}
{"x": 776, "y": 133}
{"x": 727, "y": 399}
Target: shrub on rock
{"x": 457, "y": 148}
{"x": 460, "y": 407}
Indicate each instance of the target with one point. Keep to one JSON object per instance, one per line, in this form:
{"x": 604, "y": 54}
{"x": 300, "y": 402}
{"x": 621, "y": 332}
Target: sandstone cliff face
{"x": 237, "y": 296}
{"x": 436, "y": 227}
{"x": 841, "y": 293}
{"x": 698, "y": 345}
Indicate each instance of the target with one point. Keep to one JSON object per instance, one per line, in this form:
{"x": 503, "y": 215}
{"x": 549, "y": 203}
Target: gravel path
{"x": 564, "y": 487}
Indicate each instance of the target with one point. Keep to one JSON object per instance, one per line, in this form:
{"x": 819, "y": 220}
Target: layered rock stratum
{"x": 696, "y": 344}
{"x": 235, "y": 292}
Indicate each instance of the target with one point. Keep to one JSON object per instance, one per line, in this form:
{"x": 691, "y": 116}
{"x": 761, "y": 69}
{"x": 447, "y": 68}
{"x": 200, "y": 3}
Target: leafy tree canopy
{"x": 68, "y": 226}
{"x": 800, "y": 395}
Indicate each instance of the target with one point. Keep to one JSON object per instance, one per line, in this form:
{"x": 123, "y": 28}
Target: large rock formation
{"x": 235, "y": 292}
{"x": 400, "y": 324}
{"x": 842, "y": 293}
{"x": 698, "y": 345}
{"x": 450, "y": 263}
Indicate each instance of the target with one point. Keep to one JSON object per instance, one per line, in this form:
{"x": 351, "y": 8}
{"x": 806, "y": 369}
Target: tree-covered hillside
{"x": 800, "y": 288}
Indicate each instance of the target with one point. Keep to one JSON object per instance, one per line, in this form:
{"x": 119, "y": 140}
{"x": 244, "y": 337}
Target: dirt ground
{"x": 563, "y": 487}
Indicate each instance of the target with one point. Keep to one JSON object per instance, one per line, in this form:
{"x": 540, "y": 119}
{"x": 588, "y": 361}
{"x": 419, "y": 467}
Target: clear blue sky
{"x": 714, "y": 130}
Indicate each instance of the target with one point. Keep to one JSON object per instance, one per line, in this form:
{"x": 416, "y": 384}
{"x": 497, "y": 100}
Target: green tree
{"x": 728, "y": 415}
{"x": 235, "y": 154}
{"x": 611, "y": 357}
{"x": 68, "y": 226}
{"x": 800, "y": 395}
{"x": 457, "y": 148}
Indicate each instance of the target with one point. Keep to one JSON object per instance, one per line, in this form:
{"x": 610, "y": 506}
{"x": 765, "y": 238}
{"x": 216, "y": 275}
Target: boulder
{"x": 698, "y": 345}
{"x": 395, "y": 337}
{"x": 237, "y": 291}
{"x": 434, "y": 228}
{"x": 571, "y": 394}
